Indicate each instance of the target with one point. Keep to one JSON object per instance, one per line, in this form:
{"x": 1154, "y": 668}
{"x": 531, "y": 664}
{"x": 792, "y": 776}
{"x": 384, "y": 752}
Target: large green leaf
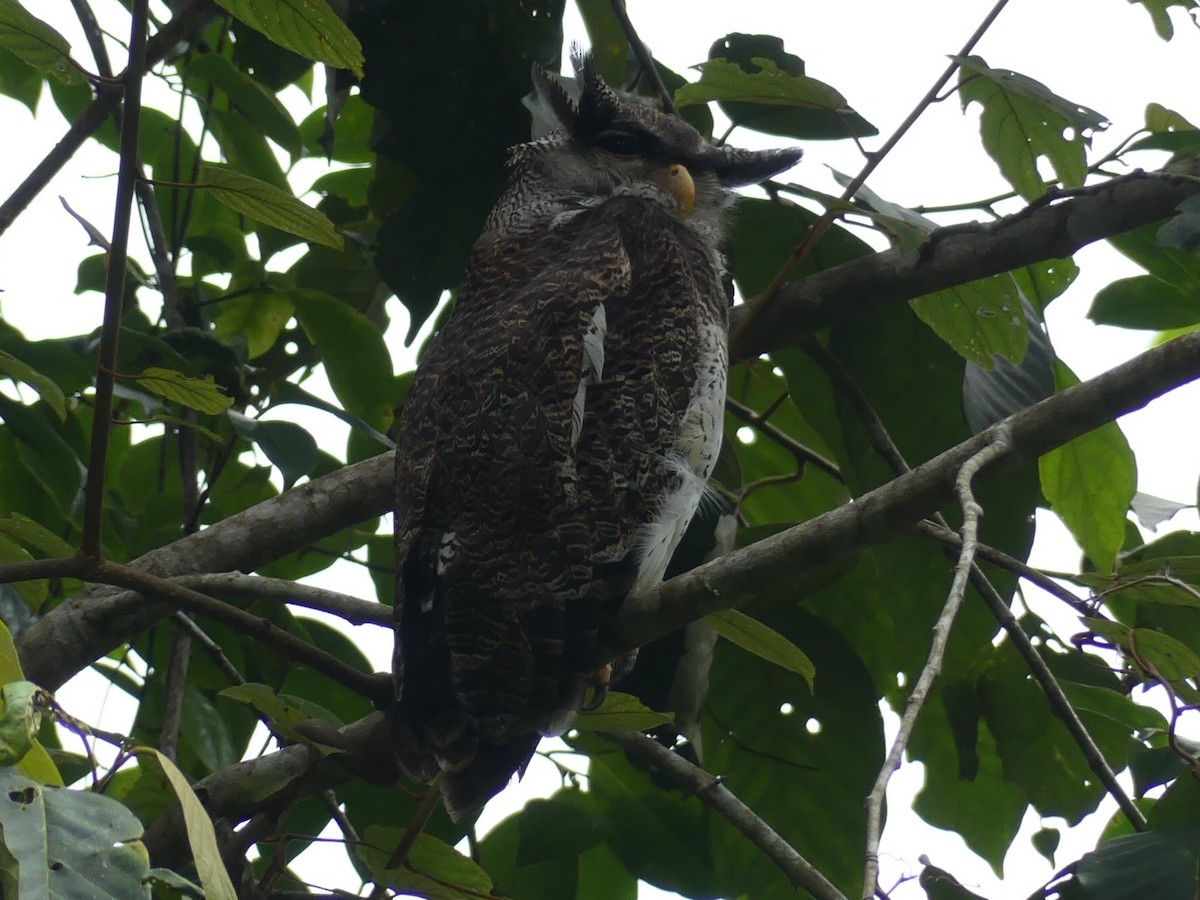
{"x": 1090, "y": 482}
{"x": 64, "y": 843}
{"x": 259, "y": 106}
{"x": 766, "y": 643}
{"x": 37, "y": 43}
{"x": 308, "y": 27}
{"x": 356, "y": 360}
{"x": 268, "y": 204}
{"x": 981, "y": 319}
{"x": 1144, "y": 301}
{"x": 1023, "y": 121}
{"x": 432, "y": 868}
{"x": 1154, "y": 865}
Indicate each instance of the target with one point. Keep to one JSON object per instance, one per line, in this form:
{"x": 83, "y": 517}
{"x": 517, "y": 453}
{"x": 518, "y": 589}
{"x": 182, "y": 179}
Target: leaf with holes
{"x": 763, "y": 642}
{"x": 37, "y": 43}
{"x": 981, "y": 320}
{"x": 308, "y": 27}
{"x": 268, "y": 204}
{"x": 1024, "y": 121}
{"x": 201, "y": 394}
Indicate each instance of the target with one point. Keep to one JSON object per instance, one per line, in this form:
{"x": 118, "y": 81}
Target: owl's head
{"x": 603, "y": 145}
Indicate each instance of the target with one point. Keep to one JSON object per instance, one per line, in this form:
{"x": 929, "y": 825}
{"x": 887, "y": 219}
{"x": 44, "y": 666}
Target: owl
{"x": 560, "y": 430}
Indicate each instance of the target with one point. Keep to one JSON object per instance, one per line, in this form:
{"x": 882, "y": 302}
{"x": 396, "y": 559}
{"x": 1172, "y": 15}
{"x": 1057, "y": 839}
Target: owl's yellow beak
{"x": 676, "y": 180}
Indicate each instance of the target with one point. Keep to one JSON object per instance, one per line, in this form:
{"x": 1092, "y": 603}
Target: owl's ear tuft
{"x": 554, "y": 97}
{"x": 598, "y": 103}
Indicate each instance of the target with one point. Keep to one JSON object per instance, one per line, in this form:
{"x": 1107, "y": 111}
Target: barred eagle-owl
{"x": 560, "y": 429}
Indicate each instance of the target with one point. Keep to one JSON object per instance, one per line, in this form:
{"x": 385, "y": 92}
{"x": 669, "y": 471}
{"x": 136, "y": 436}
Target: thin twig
{"x": 799, "y": 871}
{"x": 94, "y": 36}
{"x": 819, "y": 227}
{"x": 152, "y": 586}
{"x": 211, "y": 647}
{"x": 1000, "y": 445}
{"x": 95, "y": 115}
{"x": 114, "y": 287}
{"x": 235, "y": 586}
{"x": 1059, "y": 704}
{"x": 803, "y": 454}
{"x": 174, "y": 688}
{"x": 645, "y": 60}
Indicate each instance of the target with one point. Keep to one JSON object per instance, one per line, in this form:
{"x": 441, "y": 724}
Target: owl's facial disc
{"x": 677, "y": 181}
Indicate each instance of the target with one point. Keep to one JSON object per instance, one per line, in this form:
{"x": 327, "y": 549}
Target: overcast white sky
{"x": 882, "y": 55}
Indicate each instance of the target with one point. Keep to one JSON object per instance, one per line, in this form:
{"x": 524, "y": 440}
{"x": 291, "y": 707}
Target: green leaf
{"x": 36, "y": 763}
{"x": 433, "y": 868}
{"x": 258, "y": 317}
{"x": 721, "y": 79}
{"x": 201, "y": 394}
{"x": 20, "y": 719}
{"x": 286, "y": 712}
{"x": 307, "y": 27}
{"x": 34, "y": 592}
{"x": 45, "y": 387}
{"x": 37, "y": 43}
{"x": 35, "y": 535}
{"x": 268, "y": 204}
{"x": 291, "y": 448}
{"x": 621, "y": 712}
{"x": 554, "y": 828}
{"x": 1173, "y": 659}
{"x": 356, "y": 359}
{"x": 19, "y": 80}
{"x": 68, "y": 843}
{"x": 1023, "y": 121}
{"x": 981, "y": 320}
{"x": 801, "y": 121}
{"x": 763, "y": 642}
{"x": 1144, "y": 301}
{"x": 259, "y": 106}
{"x": 1090, "y": 482}
{"x": 1159, "y": 15}
{"x": 201, "y": 837}
{"x": 1153, "y": 865}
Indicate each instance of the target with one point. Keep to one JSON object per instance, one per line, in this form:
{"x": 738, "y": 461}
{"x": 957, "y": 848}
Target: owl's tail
{"x": 466, "y": 791}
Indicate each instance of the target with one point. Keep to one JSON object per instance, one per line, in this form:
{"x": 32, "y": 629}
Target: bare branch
{"x": 114, "y": 285}
{"x": 800, "y": 872}
{"x": 645, "y": 60}
{"x": 234, "y": 586}
{"x": 999, "y": 446}
{"x": 1059, "y": 704}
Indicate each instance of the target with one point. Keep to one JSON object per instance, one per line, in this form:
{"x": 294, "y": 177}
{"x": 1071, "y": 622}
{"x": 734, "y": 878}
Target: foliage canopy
{"x": 250, "y": 290}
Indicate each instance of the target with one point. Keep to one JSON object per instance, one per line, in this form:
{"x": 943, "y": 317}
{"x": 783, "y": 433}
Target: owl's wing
{"x": 497, "y": 600}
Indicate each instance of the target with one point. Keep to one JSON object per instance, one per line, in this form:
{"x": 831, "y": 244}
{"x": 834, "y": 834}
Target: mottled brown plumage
{"x": 559, "y": 431}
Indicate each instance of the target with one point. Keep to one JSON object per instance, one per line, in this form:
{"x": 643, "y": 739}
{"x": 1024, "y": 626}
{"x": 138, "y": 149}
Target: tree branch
{"x": 157, "y": 48}
{"x": 885, "y": 512}
{"x": 799, "y": 871}
{"x": 957, "y": 255}
{"x": 971, "y": 510}
{"x": 234, "y": 587}
{"x": 90, "y": 624}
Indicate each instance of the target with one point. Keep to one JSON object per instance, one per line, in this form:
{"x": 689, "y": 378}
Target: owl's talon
{"x": 600, "y": 681}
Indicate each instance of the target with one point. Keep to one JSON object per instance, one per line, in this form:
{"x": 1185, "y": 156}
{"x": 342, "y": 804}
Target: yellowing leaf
{"x": 37, "y": 763}
{"x": 201, "y": 837}
{"x": 764, "y": 642}
{"x": 201, "y": 394}
{"x": 37, "y": 43}
{"x": 268, "y": 204}
{"x": 307, "y": 27}
{"x": 621, "y": 712}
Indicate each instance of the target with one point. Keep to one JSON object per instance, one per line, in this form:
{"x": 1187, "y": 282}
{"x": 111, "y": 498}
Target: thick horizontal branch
{"x": 86, "y": 627}
{"x": 90, "y": 624}
{"x": 885, "y": 512}
{"x": 957, "y": 255}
